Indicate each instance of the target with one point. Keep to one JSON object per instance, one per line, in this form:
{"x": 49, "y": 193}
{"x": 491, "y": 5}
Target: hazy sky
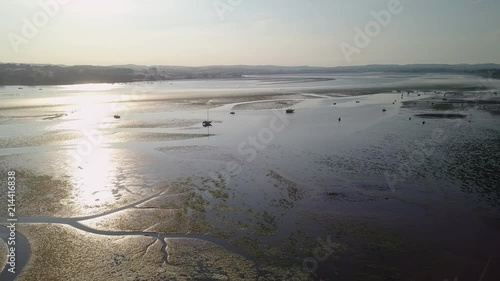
{"x": 278, "y": 32}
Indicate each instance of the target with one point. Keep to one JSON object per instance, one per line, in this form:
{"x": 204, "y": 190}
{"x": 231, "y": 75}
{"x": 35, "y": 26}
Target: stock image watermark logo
{"x": 364, "y": 37}
{"x": 425, "y": 149}
{"x": 31, "y": 26}
{"x": 11, "y": 211}
{"x": 222, "y": 7}
{"x": 253, "y": 145}
{"x": 321, "y": 253}
{"x": 249, "y": 149}
{"x": 416, "y": 158}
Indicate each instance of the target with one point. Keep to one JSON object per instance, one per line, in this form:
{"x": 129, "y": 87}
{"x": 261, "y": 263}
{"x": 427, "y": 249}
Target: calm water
{"x": 51, "y": 95}
{"x": 404, "y": 200}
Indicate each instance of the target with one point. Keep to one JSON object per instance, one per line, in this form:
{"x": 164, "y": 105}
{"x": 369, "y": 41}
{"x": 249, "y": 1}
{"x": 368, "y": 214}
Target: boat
{"x": 290, "y": 110}
{"x": 117, "y": 116}
{"x": 20, "y": 88}
{"x": 232, "y": 113}
{"x": 207, "y": 123}
{"x": 384, "y": 110}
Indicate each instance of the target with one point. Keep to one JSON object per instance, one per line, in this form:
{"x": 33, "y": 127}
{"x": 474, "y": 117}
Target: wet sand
{"x": 374, "y": 196}
{"x": 88, "y": 256}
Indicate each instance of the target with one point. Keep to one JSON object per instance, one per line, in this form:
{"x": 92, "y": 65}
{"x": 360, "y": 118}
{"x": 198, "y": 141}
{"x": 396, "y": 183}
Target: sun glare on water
{"x": 93, "y": 179}
{"x": 94, "y": 173}
{"x": 86, "y": 115}
{"x": 90, "y": 87}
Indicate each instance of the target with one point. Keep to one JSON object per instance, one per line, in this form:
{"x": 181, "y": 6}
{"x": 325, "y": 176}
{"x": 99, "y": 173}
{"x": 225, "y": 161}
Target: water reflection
{"x": 90, "y": 87}
{"x": 93, "y": 178}
{"x": 88, "y": 115}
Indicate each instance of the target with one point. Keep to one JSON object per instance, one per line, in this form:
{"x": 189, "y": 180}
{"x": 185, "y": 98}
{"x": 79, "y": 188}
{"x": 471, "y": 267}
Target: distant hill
{"x": 40, "y": 74}
{"x": 28, "y": 74}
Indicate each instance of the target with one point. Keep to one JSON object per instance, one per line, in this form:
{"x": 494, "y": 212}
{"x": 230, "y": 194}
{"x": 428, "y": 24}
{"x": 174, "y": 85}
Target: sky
{"x": 249, "y": 32}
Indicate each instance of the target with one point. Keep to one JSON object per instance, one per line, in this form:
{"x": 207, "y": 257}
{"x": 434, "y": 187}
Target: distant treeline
{"x": 32, "y": 74}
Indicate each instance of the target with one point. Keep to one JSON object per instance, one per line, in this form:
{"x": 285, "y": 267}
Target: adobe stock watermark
{"x": 364, "y": 37}
{"x": 251, "y": 147}
{"x": 47, "y": 9}
{"x": 426, "y": 148}
{"x": 320, "y": 254}
{"x": 222, "y": 7}
{"x": 416, "y": 158}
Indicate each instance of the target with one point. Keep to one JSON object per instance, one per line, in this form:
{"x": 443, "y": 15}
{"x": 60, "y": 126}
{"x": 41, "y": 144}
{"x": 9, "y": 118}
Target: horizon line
{"x": 259, "y": 65}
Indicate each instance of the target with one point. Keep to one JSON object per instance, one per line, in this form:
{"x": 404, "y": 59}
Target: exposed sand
{"x": 274, "y": 211}
{"x": 63, "y": 253}
{"x": 265, "y": 105}
{"x": 456, "y": 101}
{"x": 107, "y": 137}
{"x": 54, "y": 138}
{"x": 42, "y": 198}
{"x": 3, "y": 254}
{"x": 442, "y": 115}
{"x": 174, "y": 123}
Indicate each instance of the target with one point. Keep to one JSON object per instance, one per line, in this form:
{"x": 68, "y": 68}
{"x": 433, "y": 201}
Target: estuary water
{"x": 397, "y": 196}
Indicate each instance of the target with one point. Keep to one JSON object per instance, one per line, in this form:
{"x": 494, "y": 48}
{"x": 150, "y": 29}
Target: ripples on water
{"x": 318, "y": 178}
